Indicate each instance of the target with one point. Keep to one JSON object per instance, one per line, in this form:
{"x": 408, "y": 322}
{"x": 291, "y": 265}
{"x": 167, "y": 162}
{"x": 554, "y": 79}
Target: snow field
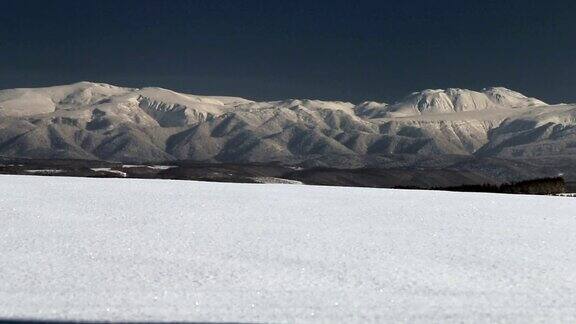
{"x": 160, "y": 250}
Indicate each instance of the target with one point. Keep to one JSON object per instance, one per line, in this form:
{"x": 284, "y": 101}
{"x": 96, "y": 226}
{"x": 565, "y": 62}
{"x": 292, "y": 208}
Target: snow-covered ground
{"x": 43, "y": 171}
{"x": 274, "y": 180}
{"x": 109, "y": 170}
{"x": 128, "y": 249}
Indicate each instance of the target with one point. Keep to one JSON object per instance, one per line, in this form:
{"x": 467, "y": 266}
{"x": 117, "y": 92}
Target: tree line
{"x": 543, "y": 186}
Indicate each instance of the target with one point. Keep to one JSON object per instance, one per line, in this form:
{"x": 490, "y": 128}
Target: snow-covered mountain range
{"x": 99, "y": 121}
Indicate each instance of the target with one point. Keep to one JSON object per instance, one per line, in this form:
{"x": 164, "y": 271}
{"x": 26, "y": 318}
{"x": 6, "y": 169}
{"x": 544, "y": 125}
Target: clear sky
{"x": 341, "y": 50}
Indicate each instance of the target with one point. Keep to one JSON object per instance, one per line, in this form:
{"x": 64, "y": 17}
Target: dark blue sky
{"x": 345, "y": 50}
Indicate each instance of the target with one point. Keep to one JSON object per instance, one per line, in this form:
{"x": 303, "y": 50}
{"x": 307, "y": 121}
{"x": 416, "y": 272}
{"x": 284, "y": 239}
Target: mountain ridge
{"x": 100, "y": 121}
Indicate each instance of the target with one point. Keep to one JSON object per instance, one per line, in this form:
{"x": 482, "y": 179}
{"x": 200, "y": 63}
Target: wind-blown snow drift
{"x": 147, "y": 250}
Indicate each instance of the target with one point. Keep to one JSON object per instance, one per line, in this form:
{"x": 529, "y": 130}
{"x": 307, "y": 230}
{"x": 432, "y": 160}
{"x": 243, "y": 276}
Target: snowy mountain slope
{"x": 153, "y": 250}
{"x": 457, "y": 100}
{"x": 99, "y": 121}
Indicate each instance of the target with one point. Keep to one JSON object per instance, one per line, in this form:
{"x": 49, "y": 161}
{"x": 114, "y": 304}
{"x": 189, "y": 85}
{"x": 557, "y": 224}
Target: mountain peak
{"x": 509, "y": 97}
{"x": 452, "y": 100}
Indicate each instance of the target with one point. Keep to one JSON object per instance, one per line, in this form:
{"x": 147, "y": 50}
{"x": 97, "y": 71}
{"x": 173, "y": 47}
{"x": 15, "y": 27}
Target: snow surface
{"x": 153, "y": 167}
{"x": 275, "y": 180}
{"x": 45, "y": 171}
{"x": 155, "y": 250}
{"x": 109, "y": 170}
